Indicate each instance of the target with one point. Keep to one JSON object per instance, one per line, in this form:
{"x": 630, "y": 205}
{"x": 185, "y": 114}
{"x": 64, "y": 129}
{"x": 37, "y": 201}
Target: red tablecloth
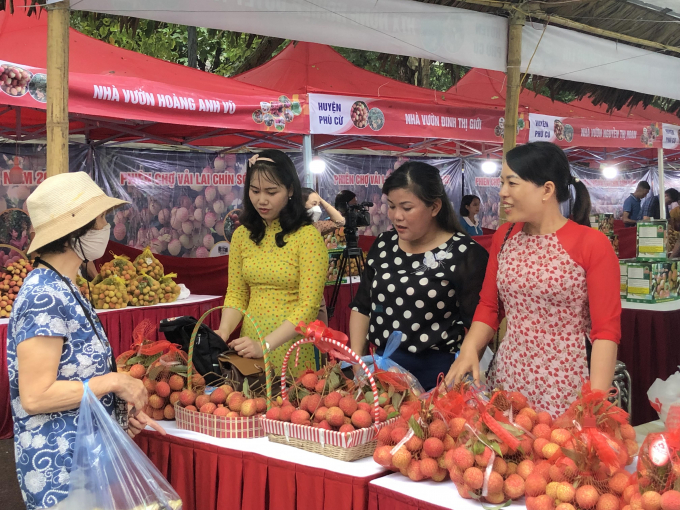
{"x": 209, "y": 477}
{"x": 649, "y": 349}
{"x": 380, "y": 498}
{"x": 118, "y": 325}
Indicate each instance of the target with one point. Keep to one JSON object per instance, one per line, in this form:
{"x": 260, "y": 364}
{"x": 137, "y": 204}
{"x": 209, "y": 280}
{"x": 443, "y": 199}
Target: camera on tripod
{"x": 357, "y": 216}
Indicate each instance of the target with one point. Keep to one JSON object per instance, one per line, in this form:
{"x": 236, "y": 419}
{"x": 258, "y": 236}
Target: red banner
{"x": 575, "y": 132}
{"x": 131, "y": 98}
{"x": 344, "y": 115}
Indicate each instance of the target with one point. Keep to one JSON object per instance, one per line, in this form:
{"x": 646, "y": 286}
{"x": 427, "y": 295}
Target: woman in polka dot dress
{"x": 277, "y": 263}
{"x": 423, "y": 278}
{"x": 557, "y": 282}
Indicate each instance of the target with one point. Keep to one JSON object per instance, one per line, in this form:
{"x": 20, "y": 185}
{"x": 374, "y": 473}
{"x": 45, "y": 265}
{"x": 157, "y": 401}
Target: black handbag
{"x": 207, "y": 347}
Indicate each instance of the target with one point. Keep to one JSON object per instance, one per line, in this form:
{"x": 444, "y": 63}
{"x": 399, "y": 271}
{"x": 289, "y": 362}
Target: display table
{"x": 397, "y": 492}
{"x": 119, "y": 325}
{"x": 649, "y": 350}
{"x": 255, "y": 474}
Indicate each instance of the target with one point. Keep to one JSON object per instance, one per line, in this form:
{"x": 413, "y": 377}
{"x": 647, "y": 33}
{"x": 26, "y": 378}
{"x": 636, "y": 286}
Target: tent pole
{"x": 57, "y": 87}
{"x": 307, "y": 159}
{"x": 662, "y": 188}
{"x": 515, "y": 25}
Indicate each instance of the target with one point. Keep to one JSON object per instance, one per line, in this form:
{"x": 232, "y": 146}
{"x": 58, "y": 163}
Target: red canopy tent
{"x": 121, "y": 95}
{"x": 489, "y": 88}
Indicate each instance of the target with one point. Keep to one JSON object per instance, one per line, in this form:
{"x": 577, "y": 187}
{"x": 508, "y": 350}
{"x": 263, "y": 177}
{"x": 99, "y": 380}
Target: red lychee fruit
{"x": 551, "y": 489}
{"x": 384, "y": 435}
{"x": 221, "y": 411}
{"x": 320, "y": 386}
{"x": 176, "y": 382}
{"x": 414, "y": 472}
{"x": 542, "y": 502}
{"x": 260, "y": 405}
{"x": 535, "y": 485}
{"x": 320, "y": 414}
{"x": 201, "y": 400}
{"x": 361, "y": 419}
{"x": 438, "y": 429}
{"x": 456, "y": 427}
{"x": 586, "y": 497}
{"x": 670, "y": 500}
{"x": 560, "y": 436}
{"x": 456, "y": 475}
{"x": 232, "y": 414}
{"x": 309, "y": 381}
{"x": 150, "y": 385}
{"x": 286, "y": 412}
{"x": 227, "y": 388}
{"x": 169, "y": 412}
{"x": 218, "y": 396}
{"x": 348, "y": 405}
{"x": 137, "y": 371}
{"x": 500, "y": 466}
{"x": 568, "y": 467}
{"x": 651, "y": 500}
{"x": 539, "y": 443}
{"x": 415, "y": 444}
{"x": 514, "y": 486}
{"x": 401, "y": 459}
{"x": 525, "y": 422}
{"x": 433, "y": 447}
{"x": 365, "y": 407}
{"x": 335, "y": 417}
{"x": 440, "y": 475}
{"x": 544, "y": 418}
{"x": 550, "y": 449}
{"x": 528, "y": 411}
{"x": 347, "y": 427}
{"x": 428, "y": 467}
{"x": 156, "y": 402}
{"x": 463, "y": 458}
{"x": 517, "y": 400}
{"x": 557, "y": 474}
{"x": 631, "y": 446}
{"x": 495, "y": 484}
{"x": 398, "y": 434}
{"x": 300, "y": 417}
{"x": 512, "y": 469}
{"x": 464, "y": 491}
{"x": 619, "y": 482}
{"x": 190, "y": 408}
{"x": 495, "y": 498}
{"x": 208, "y": 408}
{"x": 449, "y": 443}
{"x": 565, "y": 506}
{"x": 323, "y": 424}
{"x": 235, "y": 401}
{"x": 542, "y": 468}
{"x": 627, "y": 432}
{"x": 197, "y": 380}
{"x": 249, "y": 408}
{"x": 313, "y": 403}
{"x": 608, "y": 502}
{"x": 332, "y": 399}
{"x": 525, "y": 468}
{"x": 629, "y": 491}
{"x": 566, "y": 492}
{"x": 483, "y": 459}
{"x": 543, "y": 431}
{"x": 383, "y": 456}
{"x": 174, "y": 397}
{"x": 274, "y": 413}
{"x": 157, "y": 414}
{"x": 473, "y": 478}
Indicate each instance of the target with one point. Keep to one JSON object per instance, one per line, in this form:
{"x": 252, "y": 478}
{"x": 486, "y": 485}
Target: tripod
{"x": 351, "y": 252}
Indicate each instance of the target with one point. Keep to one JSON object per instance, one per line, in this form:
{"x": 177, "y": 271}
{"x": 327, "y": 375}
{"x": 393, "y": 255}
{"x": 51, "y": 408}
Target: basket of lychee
{"x": 345, "y": 427}
{"x": 223, "y": 412}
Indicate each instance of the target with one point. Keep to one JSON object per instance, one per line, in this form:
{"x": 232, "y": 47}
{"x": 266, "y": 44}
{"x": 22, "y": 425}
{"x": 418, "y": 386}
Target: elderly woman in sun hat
{"x": 55, "y": 342}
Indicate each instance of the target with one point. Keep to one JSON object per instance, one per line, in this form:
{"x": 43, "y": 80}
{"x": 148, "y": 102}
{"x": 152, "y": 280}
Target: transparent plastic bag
{"x": 664, "y": 394}
{"x": 381, "y": 364}
{"x": 109, "y": 470}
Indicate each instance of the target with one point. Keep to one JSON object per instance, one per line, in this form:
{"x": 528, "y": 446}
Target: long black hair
{"x": 424, "y": 181}
{"x": 293, "y": 215}
{"x": 467, "y": 201}
{"x": 541, "y": 162}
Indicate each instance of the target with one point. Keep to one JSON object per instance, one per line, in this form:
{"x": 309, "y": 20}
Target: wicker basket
{"x": 221, "y": 426}
{"x": 345, "y": 446}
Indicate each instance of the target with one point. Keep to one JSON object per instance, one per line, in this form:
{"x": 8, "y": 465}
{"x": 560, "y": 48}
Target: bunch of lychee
{"x": 223, "y": 401}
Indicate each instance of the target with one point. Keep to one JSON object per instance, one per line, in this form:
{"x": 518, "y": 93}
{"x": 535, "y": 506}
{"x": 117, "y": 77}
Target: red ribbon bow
{"x": 319, "y": 332}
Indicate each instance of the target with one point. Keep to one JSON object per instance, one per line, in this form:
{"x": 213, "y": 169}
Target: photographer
{"x": 423, "y": 278}
{"x": 343, "y": 200}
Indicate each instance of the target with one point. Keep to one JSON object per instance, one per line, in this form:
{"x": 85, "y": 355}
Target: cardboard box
{"x": 606, "y": 223}
{"x": 651, "y": 240}
{"x": 652, "y": 282}
{"x": 623, "y": 265}
{"x": 334, "y": 263}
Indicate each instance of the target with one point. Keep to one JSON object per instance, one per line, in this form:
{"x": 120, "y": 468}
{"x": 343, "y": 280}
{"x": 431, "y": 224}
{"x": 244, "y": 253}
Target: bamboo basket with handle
{"x": 221, "y": 426}
{"x": 345, "y": 446}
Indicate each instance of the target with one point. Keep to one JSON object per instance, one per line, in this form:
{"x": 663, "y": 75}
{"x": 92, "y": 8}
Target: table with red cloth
{"x": 118, "y": 325}
{"x": 255, "y": 474}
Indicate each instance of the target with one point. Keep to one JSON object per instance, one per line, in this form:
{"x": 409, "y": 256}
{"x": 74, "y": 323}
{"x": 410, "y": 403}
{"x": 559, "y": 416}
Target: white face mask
{"x": 92, "y": 245}
{"x": 315, "y": 213}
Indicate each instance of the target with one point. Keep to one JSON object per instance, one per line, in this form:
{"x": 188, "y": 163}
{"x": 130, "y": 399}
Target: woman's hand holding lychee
{"x": 466, "y": 363}
{"x": 247, "y": 348}
{"x": 131, "y": 390}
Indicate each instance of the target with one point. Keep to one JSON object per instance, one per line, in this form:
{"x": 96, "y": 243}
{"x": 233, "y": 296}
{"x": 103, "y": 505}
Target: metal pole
{"x": 57, "y": 87}
{"x": 307, "y": 159}
{"x": 662, "y": 188}
{"x": 515, "y": 25}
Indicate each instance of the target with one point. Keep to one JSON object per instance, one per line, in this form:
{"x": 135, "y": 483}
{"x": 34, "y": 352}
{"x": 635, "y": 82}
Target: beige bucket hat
{"x": 62, "y": 204}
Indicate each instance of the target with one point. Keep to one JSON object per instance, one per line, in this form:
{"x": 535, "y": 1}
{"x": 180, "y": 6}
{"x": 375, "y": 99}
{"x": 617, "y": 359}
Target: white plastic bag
{"x": 109, "y": 470}
{"x": 184, "y": 293}
{"x": 664, "y": 394}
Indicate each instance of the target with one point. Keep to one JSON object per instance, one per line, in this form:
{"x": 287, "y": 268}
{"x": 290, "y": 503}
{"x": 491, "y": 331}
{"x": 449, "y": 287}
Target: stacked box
{"x": 333, "y": 266}
{"x": 652, "y": 282}
{"x": 651, "y": 240}
{"x": 623, "y": 265}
